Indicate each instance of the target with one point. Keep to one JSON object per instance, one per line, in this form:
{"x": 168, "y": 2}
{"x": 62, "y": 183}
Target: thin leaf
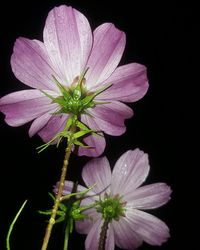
{"x": 12, "y": 225}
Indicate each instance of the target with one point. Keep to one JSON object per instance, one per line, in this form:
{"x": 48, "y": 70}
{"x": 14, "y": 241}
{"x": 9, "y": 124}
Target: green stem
{"x": 66, "y": 237}
{"x": 58, "y": 196}
{"x": 103, "y": 235}
{"x": 12, "y": 225}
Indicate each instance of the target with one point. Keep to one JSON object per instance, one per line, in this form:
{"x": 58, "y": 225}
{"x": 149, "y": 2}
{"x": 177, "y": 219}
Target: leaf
{"x": 47, "y": 212}
{"x": 12, "y": 225}
{"x": 63, "y": 90}
{"x": 49, "y": 96}
{"x": 81, "y": 125}
{"x": 78, "y": 143}
{"x": 82, "y": 133}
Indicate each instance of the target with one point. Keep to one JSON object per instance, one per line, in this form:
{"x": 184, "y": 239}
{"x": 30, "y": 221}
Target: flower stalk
{"x": 66, "y": 240}
{"x": 103, "y": 233}
{"x": 59, "y": 194}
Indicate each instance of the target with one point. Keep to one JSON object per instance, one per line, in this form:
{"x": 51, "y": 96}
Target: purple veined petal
{"x": 129, "y": 81}
{"x": 68, "y": 188}
{"x": 151, "y": 229}
{"x": 97, "y": 143}
{"x": 130, "y": 171}
{"x": 84, "y": 226}
{"x": 92, "y": 239}
{"x": 110, "y": 240}
{"x": 108, "y": 47}
{"x": 56, "y": 124}
{"x": 125, "y": 237}
{"x": 68, "y": 39}
{"x": 110, "y": 117}
{"x": 149, "y": 196}
{"x": 97, "y": 171}
{"x": 23, "y": 106}
{"x": 40, "y": 122}
{"x": 68, "y": 185}
{"x": 31, "y": 64}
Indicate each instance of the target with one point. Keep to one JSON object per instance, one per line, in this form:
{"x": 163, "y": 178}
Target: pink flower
{"x": 123, "y": 202}
{"x": 69, "y": 51}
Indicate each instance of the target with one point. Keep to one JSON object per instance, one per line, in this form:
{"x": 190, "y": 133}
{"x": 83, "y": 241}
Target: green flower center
{"x": 75, "y": 99}
{"x": 111, "y": 207}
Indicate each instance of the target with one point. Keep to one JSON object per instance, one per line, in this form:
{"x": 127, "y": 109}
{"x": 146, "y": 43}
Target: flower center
{"x": 111, "y": 207}
{"x": 75, "y": 100}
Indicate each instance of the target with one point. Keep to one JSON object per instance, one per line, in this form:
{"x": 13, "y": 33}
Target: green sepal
{"x": 81, "y": 125}
{"x": 82, "y": 193}
{"x": 47, "y": 95}
{"x": 47, "y": 212}
{"x": 82, "y": 133}
{"x": 78, "y": 143}
{"x": 63, "y": 90}
{"x": 89, "y": 98}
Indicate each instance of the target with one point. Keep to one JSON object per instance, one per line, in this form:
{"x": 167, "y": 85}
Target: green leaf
{"x": 82, "y": 133}
{"x": 89, "y": 98}
{"x": 49, "y": 96}
{"x": 102, "y": 90}
{"x": 71, "y": 225}
{"x": 81, "y": 125}
{"x": 62, "y": 218}
{"x": 62, "y": 207}
{"x": 78, "y": 143}
{"x": 47, "y": 212}
{"x": 12, "y": 225}
{"x": 52, "y": 196}
{"x": 82, "y": 193}
{"x": 63, "y": 90}
{"x": 69, "y": 123}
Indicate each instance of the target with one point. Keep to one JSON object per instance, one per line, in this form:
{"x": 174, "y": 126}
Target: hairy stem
{"x": 58, "y": 196}
{"x": 103, "y": 234}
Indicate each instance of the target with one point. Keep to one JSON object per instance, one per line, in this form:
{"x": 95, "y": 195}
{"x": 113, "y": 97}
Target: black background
{"x": 160, "y": 35}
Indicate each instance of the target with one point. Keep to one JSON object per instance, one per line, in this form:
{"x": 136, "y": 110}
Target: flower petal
{"x": 110, "y": 240}
{"x": 92, "y": 239}
{"x": 110, "y": 117}
{"x": 68, "y": 39}
{"x": 130, "y": 83}
{"x": 68, "y": 185}
{"x": 97, "y": 143}
{"x": 149, "y": 196}
{"x": 125, "y": 237}
{"x": 56, "y": 124}
{"x": 129, "y": 172}
{"x": 84, "y": 226}
{"x": 23, "y": 106}
{"x": 97, "y": 171}
{"x": 108, "y": 47}
{"x": 39, "y": 123}
{"x": 31, "y": 64}
{"x": 151, "y": 229}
